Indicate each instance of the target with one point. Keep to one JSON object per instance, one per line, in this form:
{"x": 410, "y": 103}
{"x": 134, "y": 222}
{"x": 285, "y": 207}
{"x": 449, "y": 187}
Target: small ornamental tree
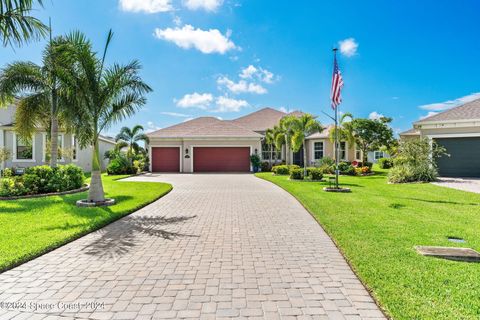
{"x": 372, "y": 134}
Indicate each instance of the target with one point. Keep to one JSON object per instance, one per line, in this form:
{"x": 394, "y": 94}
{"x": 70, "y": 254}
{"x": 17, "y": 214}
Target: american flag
{"x": 337, "y": 84}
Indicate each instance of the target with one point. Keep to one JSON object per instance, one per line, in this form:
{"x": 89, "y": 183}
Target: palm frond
{"x": 18, "y": 79}
{"x": 32, "y": 112}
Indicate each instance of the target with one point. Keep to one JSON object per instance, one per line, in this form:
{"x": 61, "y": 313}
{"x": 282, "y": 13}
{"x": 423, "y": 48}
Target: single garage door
{"x": 166, "y": 159}
{"x": 464, "y": 160}
{"x": 221, "y": 159}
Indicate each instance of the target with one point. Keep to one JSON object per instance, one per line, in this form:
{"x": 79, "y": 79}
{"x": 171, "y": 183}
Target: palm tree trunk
{"x": 54, "y": 142}
{"x": 96, "y": 193}
{"x": 304, "y": 160}
{"x": 54, "y": 131}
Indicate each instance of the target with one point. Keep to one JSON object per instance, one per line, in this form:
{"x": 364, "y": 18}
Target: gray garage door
{"x": 464, "y": 160}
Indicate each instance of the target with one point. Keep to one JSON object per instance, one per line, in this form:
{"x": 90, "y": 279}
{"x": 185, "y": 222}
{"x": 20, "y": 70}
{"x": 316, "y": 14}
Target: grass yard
{"x": 377, "y": 225}
{"x": 30, "y": 227}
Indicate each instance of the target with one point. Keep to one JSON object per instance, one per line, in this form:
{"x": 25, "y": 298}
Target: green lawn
{"x": 377, "y": 226}
{"x": 31, "y": 227}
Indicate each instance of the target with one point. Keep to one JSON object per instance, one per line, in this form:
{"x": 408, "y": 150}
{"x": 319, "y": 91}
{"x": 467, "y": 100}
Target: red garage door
{"x": 221, "y": 159}
{"x": 165, "y": 159}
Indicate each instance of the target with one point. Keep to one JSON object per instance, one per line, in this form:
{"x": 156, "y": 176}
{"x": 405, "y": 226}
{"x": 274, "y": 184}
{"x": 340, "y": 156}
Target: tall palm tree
{"x": 102, "y": 96}
{"x": 302, "y": 127}
{"x": 129, "y": 138}
{"x": 270, "y": 141}
{"x": 37, "y": 91}
{"x": 16, "y": 25}
{"x": 283, "y": 134}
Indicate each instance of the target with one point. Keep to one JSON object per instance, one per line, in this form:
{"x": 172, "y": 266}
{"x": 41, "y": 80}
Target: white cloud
{"x": 248, "y": 72}
{"x": 151, "y": 127}
{"x": 241, "y": 87}
{"x": 195, "y": 100}
{"x": 259, "y": 73}
{"x": 431, "y": 113}
{"x": 207, "y": 5}
{"x": 175, "y": 114}
{"x": 187, "y": 37}
{"x": 375, "y": 115}
{"x": 441, "y": 106}
{"x": 348, "y": 47}
{"x": 286, "y": 110}
{"x": 225, "y": 104}
{"x": 147, "y": 6}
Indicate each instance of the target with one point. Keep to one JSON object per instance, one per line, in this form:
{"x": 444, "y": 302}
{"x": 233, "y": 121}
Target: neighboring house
{"x": 31, "y": 153}
{"x": 207, "y": 144}
{"x": 374, "y": 156}
{"x": 458, "y": 130}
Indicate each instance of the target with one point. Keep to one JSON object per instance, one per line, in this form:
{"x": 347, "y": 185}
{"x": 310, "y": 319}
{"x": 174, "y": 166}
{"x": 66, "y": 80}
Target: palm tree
{"x": 345, "y": 130}
{"x": 270, "y": 140}
{"x": 102, "y": 96}
{"x": 39, "y": 90}
{"x": 129, "y": 138}
{"x": 16, "y": 25}
{"x": 283, "y": 134}
{"x": 302, "y": 127}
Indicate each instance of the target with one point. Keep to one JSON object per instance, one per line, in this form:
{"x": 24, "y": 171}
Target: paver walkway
{"x": 218, "y": 246}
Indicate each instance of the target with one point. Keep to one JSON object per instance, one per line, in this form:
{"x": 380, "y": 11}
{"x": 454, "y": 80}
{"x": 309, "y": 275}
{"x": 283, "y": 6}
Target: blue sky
{"x": 227, "y": 58}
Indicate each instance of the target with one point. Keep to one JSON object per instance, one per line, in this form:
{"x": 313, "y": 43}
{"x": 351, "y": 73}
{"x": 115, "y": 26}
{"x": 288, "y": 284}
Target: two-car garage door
{"x": 205, "y": 159}
{"x": 464, "y": 159}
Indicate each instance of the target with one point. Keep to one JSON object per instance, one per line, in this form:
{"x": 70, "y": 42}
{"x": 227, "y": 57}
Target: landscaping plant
{"x": 296, "y": 174}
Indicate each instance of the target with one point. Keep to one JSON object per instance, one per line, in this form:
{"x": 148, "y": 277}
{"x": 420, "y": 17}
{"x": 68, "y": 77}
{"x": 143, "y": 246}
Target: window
{"x": 318, "y": 150}
{"x": 378, "y": 155}
{"x": 358, "y": 153}
{"x": 343, "y": 150}
{"x": 269, "y": 152}
{"x": 74, "y": 147}
{"x": 23, "y": 148}
{"x": 46, "y": 147}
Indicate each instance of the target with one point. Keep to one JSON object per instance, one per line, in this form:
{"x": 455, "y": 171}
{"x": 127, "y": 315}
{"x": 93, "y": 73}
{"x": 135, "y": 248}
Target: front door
{"x": 298, "y": 157}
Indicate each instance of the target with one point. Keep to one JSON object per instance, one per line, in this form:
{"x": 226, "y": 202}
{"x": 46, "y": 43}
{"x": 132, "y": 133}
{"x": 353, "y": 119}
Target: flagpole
{"x": 336, "y": 131}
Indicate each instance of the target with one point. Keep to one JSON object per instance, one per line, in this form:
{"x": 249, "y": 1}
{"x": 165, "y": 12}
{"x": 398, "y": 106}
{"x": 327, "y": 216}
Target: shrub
{"x": 366, "y": 169}
{"x": 265, "y": 167}
{"x": 368, "y": 164}
{"x": 43, "y": 179}
{"x": 255, "y": 161}
{"x": 7, "y": 172}
{"x": 416, "y": 161}
{"x": 310, "y": 169}
{"x": 120, "y": 165}
{"x": 327, "y": 169}
{"x": 385, "y": 163}
{"x": 316, "y": 174}
{"x": 293, "y": 166}
{"x": 346, "y": 168}
{"x": 281, "y": 170}
{"x": 325, "y": 161}
{"x": 296, "y": 174}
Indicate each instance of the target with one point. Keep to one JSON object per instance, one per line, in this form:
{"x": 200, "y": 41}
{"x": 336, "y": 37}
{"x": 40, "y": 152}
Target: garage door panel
{"x": 221, "y": 159}
{"x": 464, "y": 160}
{"x": 165, "y": 159}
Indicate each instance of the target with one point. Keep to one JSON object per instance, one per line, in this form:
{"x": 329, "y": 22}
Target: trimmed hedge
{"x": 42, "y": 179}
{"x": 296, "y": 174}
{"x": 385, "y": 163}
{"x": 315, "y": 173}
{"x": 284, "y": 169}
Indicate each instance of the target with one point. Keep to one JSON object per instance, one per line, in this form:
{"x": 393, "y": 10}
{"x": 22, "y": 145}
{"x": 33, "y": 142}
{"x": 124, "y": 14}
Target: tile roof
{"x": 322, "y": 135}
{"x": 410, "y": 132}
{"x": 467, "y": 111}
{"x": 204, "y": 127}
{"x": 260, "y": 120}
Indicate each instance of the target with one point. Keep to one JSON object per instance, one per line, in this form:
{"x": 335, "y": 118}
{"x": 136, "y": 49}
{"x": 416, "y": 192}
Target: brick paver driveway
{"x": 218, "y": 246}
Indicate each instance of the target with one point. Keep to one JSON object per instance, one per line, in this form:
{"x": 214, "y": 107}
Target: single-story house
{"x": 458, "y": 131}
{"x": 207, "y": 144}
{"x": 33, "y": 152}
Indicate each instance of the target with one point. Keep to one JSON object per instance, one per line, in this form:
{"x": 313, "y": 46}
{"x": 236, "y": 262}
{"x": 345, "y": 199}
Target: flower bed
{"x": 41, "y": 180}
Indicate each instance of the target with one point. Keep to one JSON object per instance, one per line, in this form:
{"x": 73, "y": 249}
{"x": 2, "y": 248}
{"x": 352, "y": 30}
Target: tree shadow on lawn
{"x": 444, "y": 202}
{"x": 125, "y": 234}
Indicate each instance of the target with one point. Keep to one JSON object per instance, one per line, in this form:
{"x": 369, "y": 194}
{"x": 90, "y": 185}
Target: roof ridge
{"x": 466, "y": 104}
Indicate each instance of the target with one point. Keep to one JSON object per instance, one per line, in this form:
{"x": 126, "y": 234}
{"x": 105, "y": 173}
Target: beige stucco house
{"x": 207, "y": 144}
{"x": 458, "y": 130}
{"x": 33, "y": 152}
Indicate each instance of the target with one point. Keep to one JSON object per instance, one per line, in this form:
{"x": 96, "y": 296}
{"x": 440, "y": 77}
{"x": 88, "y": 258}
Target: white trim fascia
{"x": 106, "y": 140}
{"x": 421, "y": 122}
{"x": 205, "y": 138}
{"x": 453, "y": 135}
{"x": 14, "y": 143}
{"x": 180, "y": 154}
